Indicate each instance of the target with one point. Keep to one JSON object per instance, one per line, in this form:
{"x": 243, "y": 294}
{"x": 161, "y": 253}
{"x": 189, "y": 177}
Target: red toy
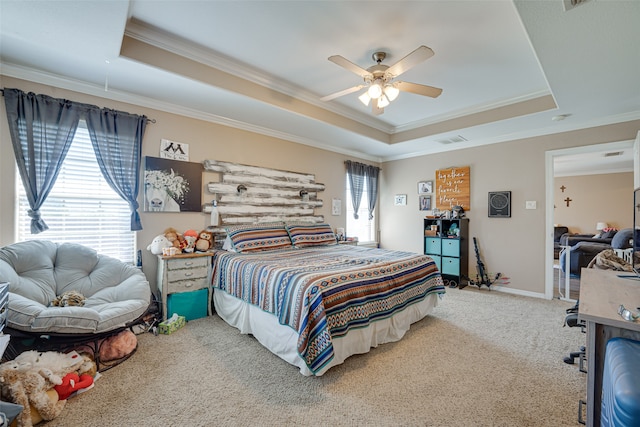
{"x": 72, "y": 383}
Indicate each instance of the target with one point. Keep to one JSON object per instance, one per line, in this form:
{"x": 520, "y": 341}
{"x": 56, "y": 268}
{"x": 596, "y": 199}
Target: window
{"x": 81, "y": 207}
{"x": 362, "y": 228}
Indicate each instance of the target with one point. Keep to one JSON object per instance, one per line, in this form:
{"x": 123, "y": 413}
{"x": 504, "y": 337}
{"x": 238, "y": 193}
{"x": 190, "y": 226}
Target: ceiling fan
{"x": 378, "y": 79}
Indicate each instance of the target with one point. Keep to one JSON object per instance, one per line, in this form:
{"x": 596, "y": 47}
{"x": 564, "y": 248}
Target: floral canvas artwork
{"x": 172, "y": 186}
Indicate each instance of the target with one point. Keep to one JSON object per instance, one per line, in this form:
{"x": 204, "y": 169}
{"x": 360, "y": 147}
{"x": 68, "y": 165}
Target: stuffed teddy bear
{"x": 25, "y": 385}
{"x": 205, "y": 241}
{"x": 159, "y": 243}
{"x": 28, "y": 379}
{"x": 58, "y": 363}
{"x": 174, "y": 237}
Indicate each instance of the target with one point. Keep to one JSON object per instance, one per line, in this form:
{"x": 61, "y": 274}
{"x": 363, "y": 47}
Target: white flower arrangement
{"x": 175, "y": 185}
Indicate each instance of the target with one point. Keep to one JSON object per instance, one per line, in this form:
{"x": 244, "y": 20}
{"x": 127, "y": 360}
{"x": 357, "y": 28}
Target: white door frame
{"x": 549, "y": 191}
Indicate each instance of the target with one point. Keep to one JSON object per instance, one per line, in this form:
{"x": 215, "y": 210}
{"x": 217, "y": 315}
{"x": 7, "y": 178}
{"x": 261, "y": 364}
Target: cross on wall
{"x": 568, "y": 200}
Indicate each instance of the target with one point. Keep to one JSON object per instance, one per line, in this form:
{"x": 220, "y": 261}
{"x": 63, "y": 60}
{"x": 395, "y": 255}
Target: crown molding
{"x": 140, "y": 31}
{"x": 36, "y": 76}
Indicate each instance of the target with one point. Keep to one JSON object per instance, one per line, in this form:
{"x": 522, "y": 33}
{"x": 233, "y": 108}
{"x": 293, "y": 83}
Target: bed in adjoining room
{"x": 314, "y": 302}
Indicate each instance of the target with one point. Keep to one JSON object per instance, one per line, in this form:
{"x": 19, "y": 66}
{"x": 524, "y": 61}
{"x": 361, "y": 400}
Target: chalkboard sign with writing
{"x": 452, "y": 188}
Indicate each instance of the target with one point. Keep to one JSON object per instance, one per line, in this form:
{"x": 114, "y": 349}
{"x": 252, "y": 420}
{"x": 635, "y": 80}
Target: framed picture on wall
{"x": 172, "y": 185}
{"x": 500, "y": 204}
{"x": 424, "y": 203}
{"x": 400, "y": 200}
{"x": 425, "y": 187}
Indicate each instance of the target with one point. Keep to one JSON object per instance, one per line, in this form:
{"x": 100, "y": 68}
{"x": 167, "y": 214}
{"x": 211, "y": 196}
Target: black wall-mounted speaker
{"x": 500, "y": 204}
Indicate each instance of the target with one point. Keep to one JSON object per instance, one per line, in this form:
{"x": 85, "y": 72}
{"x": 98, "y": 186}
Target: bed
{"x": 314, "y": 302}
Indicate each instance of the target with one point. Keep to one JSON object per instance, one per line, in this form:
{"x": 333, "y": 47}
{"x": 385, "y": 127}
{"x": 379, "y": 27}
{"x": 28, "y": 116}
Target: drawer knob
{"x": 188, "y": 273}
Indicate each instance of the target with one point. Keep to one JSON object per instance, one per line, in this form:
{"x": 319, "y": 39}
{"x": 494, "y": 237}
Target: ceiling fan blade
{"x": 341, "y": 93}
{"x": 411, "y": 60}
{"x": 418, "y": 89}
{"x": 345, "y": 63}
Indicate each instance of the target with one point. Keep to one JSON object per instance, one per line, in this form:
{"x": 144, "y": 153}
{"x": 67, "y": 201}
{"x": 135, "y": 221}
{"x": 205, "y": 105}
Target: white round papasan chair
{"x": 117, "y": 294}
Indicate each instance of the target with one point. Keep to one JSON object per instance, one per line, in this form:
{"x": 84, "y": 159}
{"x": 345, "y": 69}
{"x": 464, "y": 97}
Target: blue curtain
{"x": 41, "y": 129}
{"x": 356, "y": 173}
{"x": 117, "y": 141}
{"x": 372, "y": 173}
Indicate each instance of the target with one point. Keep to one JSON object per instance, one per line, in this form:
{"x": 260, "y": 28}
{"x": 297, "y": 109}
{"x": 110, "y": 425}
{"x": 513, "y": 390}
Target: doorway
{"x": 580, "y": 158}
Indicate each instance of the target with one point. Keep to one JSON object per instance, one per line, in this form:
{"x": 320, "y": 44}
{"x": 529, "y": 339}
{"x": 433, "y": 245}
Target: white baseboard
{"x": 518, "y": 292}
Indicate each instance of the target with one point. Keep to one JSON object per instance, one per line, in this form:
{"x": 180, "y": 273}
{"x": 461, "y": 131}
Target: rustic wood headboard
{"x": 270, "y": 195}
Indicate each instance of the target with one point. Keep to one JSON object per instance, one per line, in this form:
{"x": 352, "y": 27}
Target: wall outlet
{"x": 336, "y": 207}
{"x": 530, "y": 204}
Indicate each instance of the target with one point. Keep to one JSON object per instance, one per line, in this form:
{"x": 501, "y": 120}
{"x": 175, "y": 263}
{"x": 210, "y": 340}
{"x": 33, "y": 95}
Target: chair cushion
{"x": 37, "y": 271}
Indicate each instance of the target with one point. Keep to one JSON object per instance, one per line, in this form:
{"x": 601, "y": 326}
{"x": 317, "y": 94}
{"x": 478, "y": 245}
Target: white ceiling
{"x": 505, "y": 67}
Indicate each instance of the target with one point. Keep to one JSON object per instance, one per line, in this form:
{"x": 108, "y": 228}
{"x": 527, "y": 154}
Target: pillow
{"x": 311, "y": 235}
{"x": 228, "y": 245}
{"x": 608, "y": 234}
{"x": 621, "y": 239}
{"x": 258, "y": 237}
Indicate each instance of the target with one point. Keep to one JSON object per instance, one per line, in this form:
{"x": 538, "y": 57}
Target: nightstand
{"x": 184, "y": 282}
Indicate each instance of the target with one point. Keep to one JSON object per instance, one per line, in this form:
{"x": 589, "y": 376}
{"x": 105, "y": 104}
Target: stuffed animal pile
{"x": 69, "y": 299}
{"x": 188, "y": 242}
{"x": 31, "y": 379}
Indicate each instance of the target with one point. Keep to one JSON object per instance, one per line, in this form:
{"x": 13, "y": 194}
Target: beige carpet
{"x": 484, "y": 358}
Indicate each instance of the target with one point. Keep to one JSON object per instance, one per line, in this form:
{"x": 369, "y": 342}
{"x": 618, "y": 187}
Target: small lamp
{"x": 601, "y": 226}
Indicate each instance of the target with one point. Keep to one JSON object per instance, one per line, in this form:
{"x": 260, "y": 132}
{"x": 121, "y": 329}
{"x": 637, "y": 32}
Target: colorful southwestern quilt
{"x": 323, "y": 292}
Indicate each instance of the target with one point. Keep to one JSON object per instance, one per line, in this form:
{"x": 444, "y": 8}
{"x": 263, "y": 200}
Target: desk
{"x": 601, "y": 293}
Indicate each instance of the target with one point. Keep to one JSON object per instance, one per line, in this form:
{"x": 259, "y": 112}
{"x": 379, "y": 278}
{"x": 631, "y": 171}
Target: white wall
{"x": 594, "y": 198}
{"x": 513, "y": 246}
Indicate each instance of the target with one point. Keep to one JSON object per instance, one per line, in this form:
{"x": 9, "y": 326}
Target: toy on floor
{"x": 118, "y": 346}
{"x": 28, "y": 379}
{"x": 72, "y": 383}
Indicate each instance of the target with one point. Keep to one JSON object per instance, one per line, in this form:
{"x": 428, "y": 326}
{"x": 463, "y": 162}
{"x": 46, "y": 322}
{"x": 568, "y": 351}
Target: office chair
{"x": 571, "y": 320}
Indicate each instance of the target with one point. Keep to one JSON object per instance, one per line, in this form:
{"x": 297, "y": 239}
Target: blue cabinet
{"x": 446, "y": 241}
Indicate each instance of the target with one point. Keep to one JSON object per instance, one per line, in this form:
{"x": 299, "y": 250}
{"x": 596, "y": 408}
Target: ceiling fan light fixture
{"x": 391, "y": 91}
{"x": 365, "y": 98}
{"x": 383, "y": 101}
{"x": 375, "y": 90}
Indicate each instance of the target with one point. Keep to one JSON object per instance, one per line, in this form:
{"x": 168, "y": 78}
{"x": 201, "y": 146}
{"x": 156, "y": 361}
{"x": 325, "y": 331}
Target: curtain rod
{"x": 147, "y": 119}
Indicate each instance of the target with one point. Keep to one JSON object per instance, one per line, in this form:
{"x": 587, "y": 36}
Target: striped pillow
{"x": 258, "y": 237}
{"x": 311, "y": 235}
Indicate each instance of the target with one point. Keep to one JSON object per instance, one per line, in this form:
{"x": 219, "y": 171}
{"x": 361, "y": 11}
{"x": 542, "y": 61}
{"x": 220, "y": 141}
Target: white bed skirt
{"x": 282, "y": 340}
